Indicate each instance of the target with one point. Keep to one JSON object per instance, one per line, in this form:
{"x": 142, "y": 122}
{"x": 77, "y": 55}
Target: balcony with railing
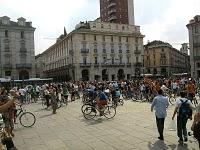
{"x": 84, "y": 50}
{"x": 7, "y": 66}
{"x": 96, "y": 64}
{"x": 111, "y": 11}
{"x": 23, "y": 50}
{"x": 112, "y": 4}
{"x": 7, "y": 48}
{"x": 24, "y": 66}
{"x": 138, "y": 64}
{"x": 85, "y": 64}
{"x": 121, "y": 64}
{"x": 128, "y": 64}
{"x": 111, "y": 18}
{"x": 137, "y": 52}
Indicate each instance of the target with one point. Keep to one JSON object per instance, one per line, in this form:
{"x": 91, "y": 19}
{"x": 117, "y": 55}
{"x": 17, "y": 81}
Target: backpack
{"x": 185, "y": 111}
{"x": 103, "y": 96}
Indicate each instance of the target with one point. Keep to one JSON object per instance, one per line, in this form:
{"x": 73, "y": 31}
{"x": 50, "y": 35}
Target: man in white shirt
{"x": 160, "y": 103}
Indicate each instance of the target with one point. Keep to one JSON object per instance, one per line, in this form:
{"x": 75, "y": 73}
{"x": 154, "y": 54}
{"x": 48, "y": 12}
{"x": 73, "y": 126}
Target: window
{"x": 120, "y": 59}
{"x": 95, "y": 37}
{"x": 136, "y": 40}
{"x": 128, "y": 59}
{"x": 137, "y": 59}
{"x": 103, "y": 38}
{"x": 22, "y": 34}
{"x": 95, "y": 48}
{"x": 101, "y": 25}
{"x": 23, "y": 59}
{"x": 104, "y": 59}
{"x": 84, "y": 46}
{"x": 7, "y": 73}
{"x": 198, "y": 65}
{"x": 83, "y": 36}
{"x": 120, "y": 49}
{"x": 111, "y": 38}
{"x": 163, "y": 50}
{"x": 84, "y": 60}
{"x": 6, "y": 33}
{"x": 154, "y": 56}
{"x": 113, "y": 60}
{"x": 112, "y": 49}
{"x": 95, "y": 60}
{"x": 126, "y": 39}
{"x": 120, "y": 39}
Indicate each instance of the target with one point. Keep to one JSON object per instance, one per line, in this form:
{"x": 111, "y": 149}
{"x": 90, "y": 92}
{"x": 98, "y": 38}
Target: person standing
{"x": 160, "y": 103}
{"x": 183, "y": 110}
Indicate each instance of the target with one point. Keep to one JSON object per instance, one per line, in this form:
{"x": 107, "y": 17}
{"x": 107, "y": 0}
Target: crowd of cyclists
{"x": 113, "y": 92}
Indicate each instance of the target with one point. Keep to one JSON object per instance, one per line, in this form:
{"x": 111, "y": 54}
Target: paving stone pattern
{"x": 133, "y": 128}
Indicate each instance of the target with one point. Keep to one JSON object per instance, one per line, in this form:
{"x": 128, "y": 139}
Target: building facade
{"x": 117, "y": 11}
{"x": 161, "y": 59}
{"x": 96, "y": 51}
{"x": 17, "y": 54}
{"x": 39, "y": 66}
{"x": 194, "y": 41}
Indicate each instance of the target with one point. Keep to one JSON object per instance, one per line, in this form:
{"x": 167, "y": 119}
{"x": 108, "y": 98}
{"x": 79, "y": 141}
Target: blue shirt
{"x": 160, "y": 104}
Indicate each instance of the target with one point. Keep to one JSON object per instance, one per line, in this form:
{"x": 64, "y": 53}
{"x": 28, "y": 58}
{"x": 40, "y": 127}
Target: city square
{"x": 99, "y": 75}
{"x": 133, "y": 127}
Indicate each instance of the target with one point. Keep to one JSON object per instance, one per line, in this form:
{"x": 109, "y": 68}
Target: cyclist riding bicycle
{"x": 102, "y": 101}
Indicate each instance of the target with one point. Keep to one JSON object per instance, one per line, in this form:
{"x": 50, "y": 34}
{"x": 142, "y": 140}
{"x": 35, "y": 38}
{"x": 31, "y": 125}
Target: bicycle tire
{"x": 24, "y": 114}
{"x": 108, "y": 110}
{"x": 84, "y": 106}
{"x": 90, "y": 112}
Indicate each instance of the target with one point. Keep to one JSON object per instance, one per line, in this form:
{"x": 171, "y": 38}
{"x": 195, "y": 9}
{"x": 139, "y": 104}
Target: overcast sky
{"x": 159, "y": 19}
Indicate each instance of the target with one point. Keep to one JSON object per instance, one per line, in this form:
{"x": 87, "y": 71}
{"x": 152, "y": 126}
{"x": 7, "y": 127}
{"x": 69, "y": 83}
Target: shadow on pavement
{"x": 43, "y": 116}
{"x": 157, "y": 145}
{"x": 92, "y": 121}
{"x": 41, "y": 109}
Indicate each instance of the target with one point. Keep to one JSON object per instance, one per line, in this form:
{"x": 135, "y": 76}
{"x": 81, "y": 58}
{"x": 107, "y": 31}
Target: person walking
{"x": 196, "y": 125}
{"x": 183, "y": 110}
{"x": 160, "y": 103}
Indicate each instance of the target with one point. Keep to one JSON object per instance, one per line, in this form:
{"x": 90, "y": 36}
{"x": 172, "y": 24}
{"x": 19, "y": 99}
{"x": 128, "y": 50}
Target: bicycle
{"x": 26, "y": 119}
{"x": 171, "y": 97}
{"x": 90, "y": 112}
{"x": 117, "y": 101}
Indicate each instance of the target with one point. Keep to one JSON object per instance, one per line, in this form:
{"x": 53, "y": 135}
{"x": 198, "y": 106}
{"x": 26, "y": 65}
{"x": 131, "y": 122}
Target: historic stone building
{"x": 39, "y": 66}
{"x": 96, "y": 50}
{"x": 161, "y": 59}
{"x": 17, "y": 54}
{"x": 194, "y": 41}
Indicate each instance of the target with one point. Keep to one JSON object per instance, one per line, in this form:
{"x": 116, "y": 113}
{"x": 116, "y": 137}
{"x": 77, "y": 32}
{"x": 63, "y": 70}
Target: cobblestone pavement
{"x": 133, "y": 127}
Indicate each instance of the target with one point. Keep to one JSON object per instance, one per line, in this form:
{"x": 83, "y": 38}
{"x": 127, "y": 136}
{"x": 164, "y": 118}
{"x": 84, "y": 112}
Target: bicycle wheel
{"x": 89, "y": 112}
{"x": 84, "y": 107}
{"x": 27, "y": 119}
{"x": 109, "y": 112}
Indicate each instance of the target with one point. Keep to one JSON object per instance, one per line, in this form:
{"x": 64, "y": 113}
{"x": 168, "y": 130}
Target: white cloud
{"x": 159, "y": 19}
